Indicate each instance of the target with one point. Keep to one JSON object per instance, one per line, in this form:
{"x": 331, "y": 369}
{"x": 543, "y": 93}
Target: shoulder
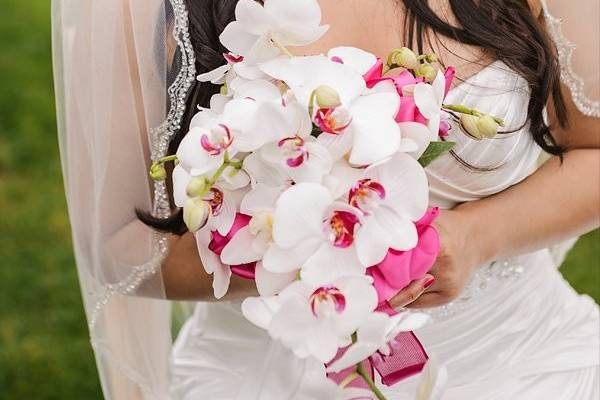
{"x": 536, "y": 7}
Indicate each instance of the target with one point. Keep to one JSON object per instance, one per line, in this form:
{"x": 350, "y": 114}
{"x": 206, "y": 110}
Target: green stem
{"x": 360, "y": 370}
{"x": 166, "y": 159}
{"x": 227, "y": 162}
{"x": 349, "y": 379}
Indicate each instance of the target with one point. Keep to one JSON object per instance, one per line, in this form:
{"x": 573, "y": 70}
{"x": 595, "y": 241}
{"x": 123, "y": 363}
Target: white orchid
{"x": 375, "y": 334}
{"x": 313, "y": 232}
{"x": 362, "y": 125}
{"x": 260, "y": 32}
{"x": 429, "y": 99}
{"x": 214, "y": 207}
{"x": 393, "y": 196}
{"x": 315, "y": 320}
{"x": 251, "y": 242}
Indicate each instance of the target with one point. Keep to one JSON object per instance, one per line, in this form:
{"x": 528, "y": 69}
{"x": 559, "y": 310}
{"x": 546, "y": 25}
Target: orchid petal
{"x": 329, "y": 263}
{"x": 181, "y": 179}
{"x": 239, "y": 250}
{"x": 357, "y": 59}
{"x": 299, "y": 213}
{"x": 269, "y": 283}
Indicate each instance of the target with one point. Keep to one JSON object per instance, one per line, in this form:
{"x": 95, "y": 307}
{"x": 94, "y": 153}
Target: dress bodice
{"x": 481, "y": 168}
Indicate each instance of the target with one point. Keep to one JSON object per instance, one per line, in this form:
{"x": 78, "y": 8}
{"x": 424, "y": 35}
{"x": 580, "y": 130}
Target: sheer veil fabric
{"x": 122, "y": 71}
{"x": 119, "y": 99}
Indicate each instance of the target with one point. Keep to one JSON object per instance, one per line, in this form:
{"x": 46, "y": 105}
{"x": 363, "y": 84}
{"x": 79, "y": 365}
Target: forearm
{"x": 557, "y": 202}
{"x": 184, "y": 277}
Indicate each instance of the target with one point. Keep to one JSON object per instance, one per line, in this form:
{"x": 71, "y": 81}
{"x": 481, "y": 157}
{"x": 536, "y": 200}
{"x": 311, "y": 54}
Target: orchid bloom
{"x": 251, "y": 242}
{"x": 315, "y": 320}
{"x": 429, "y": 99}
{"x": 392, "y": 196}
{"x": 296, "y": 153}
{"x": 260, "y": 32}
{"x": 313, "y": 233}
{"x": 215, "y": 208}
{"x": 375, "y": 334}
{"x": 223, "y": 74}
{"x": 363, "y": 125}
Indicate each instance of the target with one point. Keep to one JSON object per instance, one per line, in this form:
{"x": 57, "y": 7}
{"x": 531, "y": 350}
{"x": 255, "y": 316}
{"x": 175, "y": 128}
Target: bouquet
{"x": 306, "y": 175}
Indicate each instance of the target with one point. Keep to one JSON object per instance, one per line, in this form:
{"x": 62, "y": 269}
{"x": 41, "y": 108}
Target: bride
{"x": 505, "y": 323}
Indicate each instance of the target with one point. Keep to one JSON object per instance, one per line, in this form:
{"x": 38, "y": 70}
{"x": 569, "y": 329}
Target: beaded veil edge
{"x": 160, "y": 137}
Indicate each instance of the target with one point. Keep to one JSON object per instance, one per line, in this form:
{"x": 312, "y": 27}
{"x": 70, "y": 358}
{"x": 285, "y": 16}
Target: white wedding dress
{"x": 519, "y": 331}
{"x": 123, "y": 71}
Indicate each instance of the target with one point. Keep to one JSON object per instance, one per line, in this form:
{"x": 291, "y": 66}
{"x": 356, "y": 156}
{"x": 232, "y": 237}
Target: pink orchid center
{"x": 233, "y": 58}
{"x": 294, "y": 150}
{"x": 341, "y": 228}
{"x": 327, "y": 301}
{"x": 366, "y": 195}
{"x": 217, "y": 140}
{"x": 333, "y": 120}
{"x": 215, "y": 199}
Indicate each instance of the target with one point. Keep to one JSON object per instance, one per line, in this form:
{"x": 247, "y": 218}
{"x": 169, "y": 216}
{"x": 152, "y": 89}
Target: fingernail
{"x": 429, "y": 282}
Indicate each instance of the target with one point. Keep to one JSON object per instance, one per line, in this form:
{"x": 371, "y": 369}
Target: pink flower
{"x": 400, "y": 268}
{"x": 218, "y": 243}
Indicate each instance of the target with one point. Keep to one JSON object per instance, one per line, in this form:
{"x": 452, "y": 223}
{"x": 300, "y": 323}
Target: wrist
{"x": 478, "y": 237}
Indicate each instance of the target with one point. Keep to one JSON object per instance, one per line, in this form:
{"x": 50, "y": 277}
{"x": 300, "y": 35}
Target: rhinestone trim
{"x": 159, "y": 145}
{"x": 489, "y": 277}
{"x": 570, "y": 78}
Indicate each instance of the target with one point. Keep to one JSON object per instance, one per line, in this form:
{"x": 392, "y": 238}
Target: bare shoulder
{"x": 536, "y": 7}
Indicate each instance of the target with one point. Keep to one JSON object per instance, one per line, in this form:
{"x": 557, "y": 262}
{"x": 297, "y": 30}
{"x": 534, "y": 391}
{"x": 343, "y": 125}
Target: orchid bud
{"x": 158, "y": 172}
{"x": 427, "y": 71}
{"x": 469, "y": 125}
{"x": 224, "y": 90}
{"x": 198, "y": 186}
{"x": 406, "y": 58}
{"x": 327, "y": 97}
{"x": 487, "y": 126}
{"x": 195, "y": 213}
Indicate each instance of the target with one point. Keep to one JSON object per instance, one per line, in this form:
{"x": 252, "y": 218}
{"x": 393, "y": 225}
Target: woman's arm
{"x": 185, "y": 279}
{"x": 559, "y": 201}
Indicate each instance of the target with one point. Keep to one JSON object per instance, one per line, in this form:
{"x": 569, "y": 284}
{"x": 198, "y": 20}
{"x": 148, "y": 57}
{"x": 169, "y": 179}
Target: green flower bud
{"x": 406, "y": 58}
{"x": 327, "y": 97}
{"x": 198, "y": 186}
{"x": 224, "y": 90}
{"x": 158, "y": 172}
{"x": 427, "y": 71}
{"x": 469, "y": 124}
{"x": 487, "y": 126}
{"x": 195, "y": 213}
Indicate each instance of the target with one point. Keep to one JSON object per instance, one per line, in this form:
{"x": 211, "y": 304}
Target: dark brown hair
{"x": 507, "y": 30}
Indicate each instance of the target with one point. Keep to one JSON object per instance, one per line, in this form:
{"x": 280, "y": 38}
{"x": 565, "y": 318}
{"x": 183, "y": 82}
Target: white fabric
{"x": 110, "y": 65}
{"x": 574, "y": 28}
{"x": 529, "y": 337}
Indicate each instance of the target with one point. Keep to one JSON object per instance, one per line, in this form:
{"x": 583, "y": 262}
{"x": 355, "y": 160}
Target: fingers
{"x": 412, "y": 292}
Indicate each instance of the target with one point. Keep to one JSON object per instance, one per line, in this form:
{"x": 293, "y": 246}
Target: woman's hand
{"x": 459, "y": 256}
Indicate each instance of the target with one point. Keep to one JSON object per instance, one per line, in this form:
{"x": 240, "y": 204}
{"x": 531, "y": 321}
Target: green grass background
{"x": 44, "y": 347}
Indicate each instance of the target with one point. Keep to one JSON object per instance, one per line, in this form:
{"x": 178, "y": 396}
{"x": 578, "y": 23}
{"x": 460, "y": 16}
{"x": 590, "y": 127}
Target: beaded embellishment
{"x": 159, "y": 143}
{"x": 569, "y": 77}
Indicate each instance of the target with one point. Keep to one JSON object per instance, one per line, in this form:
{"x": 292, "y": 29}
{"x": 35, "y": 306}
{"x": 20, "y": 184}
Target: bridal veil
{"x": 123, "y": 69}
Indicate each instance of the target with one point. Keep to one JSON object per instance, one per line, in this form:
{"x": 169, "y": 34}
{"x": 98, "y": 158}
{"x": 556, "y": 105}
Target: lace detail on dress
{"x": 160, "y": 138}
{"x": 570, "y": 78}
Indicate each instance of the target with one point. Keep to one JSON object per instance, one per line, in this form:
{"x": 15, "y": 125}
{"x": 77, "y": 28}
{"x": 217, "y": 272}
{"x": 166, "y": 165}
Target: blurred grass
{"x": 44, "y": 347}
